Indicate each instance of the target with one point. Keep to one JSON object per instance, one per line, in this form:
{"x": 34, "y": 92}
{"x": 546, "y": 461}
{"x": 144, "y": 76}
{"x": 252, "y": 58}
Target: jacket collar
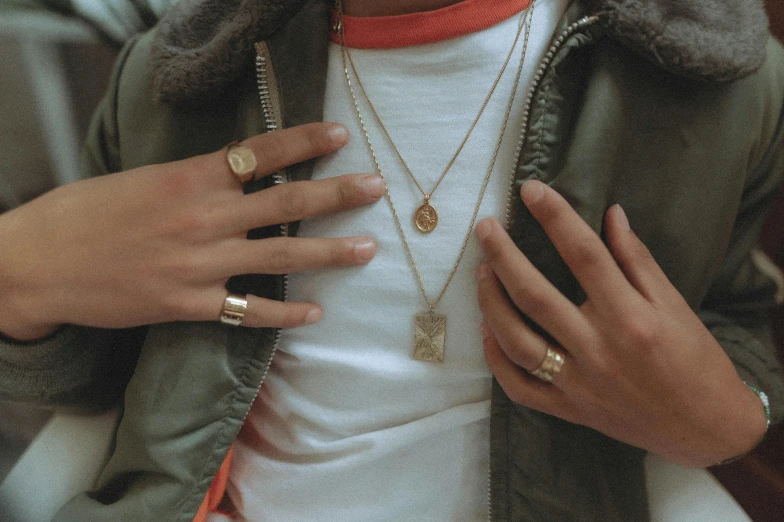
{"x": 715, "y": 40}
{"x": 202, "y": 46}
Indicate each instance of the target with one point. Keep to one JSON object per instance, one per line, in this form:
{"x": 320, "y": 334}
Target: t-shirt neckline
{"x": 462, "y": 18}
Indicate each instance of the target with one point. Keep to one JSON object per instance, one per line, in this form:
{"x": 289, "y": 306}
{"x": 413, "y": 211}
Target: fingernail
{"x": 313, "y": 316}
{"x": 623, "y": 220}
{"x": 373, "y": 186}
{"x": 364, "y": 250}
{"x": 484, "y": 228}
{"x": 338, "y": 133}
{"x": 485, "y": 330}
{"x": 531, "y": 192}
{"x": 483, "y": 271}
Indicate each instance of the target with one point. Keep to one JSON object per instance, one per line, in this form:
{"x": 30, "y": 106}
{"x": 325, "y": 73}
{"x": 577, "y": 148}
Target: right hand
{"x": 158, "y": 243}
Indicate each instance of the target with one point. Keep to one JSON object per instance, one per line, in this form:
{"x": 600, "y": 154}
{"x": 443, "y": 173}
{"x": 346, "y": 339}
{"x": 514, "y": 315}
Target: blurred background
{"x": 55, "y": 57}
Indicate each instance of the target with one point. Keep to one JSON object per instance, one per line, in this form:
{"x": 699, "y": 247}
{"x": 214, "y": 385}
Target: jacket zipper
{"x": 270, "y": 107}
{"x": 537, "y": 80}
{"x": 538, "y": 77}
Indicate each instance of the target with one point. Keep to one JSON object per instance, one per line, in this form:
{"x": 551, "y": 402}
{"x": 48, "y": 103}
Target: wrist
{"x": 15, "y": 323}
{"x": 754, "y": 424}
{"x": 763, "y": 397}
{"x": 26, "y": 333}
{"x": 16, "y": 320}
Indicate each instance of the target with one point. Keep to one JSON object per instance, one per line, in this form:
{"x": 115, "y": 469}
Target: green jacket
{"x": 688, "y": 140}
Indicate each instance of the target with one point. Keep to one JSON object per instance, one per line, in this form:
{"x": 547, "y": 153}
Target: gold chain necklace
{"x": 425, "y": 217}
{"x": 430, "y": 326}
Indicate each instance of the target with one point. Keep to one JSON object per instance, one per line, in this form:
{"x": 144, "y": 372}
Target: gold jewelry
{"x": 430, "y": 327}
{"x": 425, "y": 217}
{"x": 234, "y": 308}
{"x": 242, "y": 161}
{"x": 551, "y": 365}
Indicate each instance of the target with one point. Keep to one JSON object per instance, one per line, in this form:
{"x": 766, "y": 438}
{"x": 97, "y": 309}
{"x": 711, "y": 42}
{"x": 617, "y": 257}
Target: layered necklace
{"x": 430, "y": 326}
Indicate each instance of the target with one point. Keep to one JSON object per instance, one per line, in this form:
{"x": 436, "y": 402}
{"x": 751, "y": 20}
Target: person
{"x": 621, "y": 309}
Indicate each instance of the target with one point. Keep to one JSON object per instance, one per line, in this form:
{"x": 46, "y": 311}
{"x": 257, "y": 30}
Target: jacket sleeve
{"x": 77, "y": 367}
{"x": 736, "y": 308}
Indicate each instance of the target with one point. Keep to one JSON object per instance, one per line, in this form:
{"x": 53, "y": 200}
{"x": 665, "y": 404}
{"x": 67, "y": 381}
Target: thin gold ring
{"x": 234, "y": 308}
{"x": 242, "y": 161}
{"x": 551, "y": 365}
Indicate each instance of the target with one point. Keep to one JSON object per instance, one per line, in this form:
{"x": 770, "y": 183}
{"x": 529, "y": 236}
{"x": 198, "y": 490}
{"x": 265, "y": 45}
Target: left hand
{"x": 640, "y": 366}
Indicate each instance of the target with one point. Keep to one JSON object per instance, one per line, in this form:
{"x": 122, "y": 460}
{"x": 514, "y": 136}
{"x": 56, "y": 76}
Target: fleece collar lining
{"x": 202, "y": 46}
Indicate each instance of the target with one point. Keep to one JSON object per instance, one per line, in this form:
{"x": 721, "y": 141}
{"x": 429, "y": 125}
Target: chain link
{"x": 525, "y": 20}
{"x": 428, "y": 195}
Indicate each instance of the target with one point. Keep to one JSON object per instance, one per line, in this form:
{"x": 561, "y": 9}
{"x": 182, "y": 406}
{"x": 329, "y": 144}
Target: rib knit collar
{"x": 389, "y": 32}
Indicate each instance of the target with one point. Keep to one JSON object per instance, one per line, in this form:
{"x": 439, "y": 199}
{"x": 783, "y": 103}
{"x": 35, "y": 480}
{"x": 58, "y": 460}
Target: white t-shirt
{"x": 347, "y": 426}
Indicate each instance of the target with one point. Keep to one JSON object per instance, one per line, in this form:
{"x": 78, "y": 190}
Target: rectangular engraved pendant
{"x": 429, "y": 337}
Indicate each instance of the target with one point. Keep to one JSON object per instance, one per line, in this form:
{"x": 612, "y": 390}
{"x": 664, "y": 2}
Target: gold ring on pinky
{"x": 550, "y": 367}
{"x": 234, "y": 308}
{"x": 242, "y": 161}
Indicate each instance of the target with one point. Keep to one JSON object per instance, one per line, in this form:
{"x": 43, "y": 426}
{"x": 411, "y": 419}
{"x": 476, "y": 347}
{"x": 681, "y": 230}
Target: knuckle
{"x": 641, "y": 332}
{"x": 289, "y": 316}
{"x": 534, "y": 300}
{"x": 345, "y": 193}
{"x": 181, "y": 181}
{"x": 343, "y": 253}
{"x": 492, "y": 247}
{"x": 279, "y": 260}
{"x": 547, "y": 212}
{"x": 196, "y": 222}
{"x": 641, "y": 252}
{"x": 522, "y": 354}
{"x": 584, "y": 256}
{"x": 272, "y": 152}
{"x": 294, "y": 204}
{"x": 605, "y": 367}
{"x": 317, "y": 139}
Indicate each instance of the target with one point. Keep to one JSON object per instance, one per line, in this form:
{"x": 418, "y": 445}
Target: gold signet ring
{"x": 242, "y": 161}
{"x": 550, "y": 367}
{"x": 234, "y": 308}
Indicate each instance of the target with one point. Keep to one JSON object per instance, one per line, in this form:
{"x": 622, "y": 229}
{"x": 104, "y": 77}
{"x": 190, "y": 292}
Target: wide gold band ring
{"x": 550, "y": 367}
{"x": 234, "y": 308}
{"x": 242, "y": 161}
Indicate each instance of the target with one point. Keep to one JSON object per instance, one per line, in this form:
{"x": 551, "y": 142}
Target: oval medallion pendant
{"x": 426, "y": 218}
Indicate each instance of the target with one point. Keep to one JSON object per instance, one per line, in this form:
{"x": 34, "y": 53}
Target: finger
{"x": 520, "y": 344}
{"x": 278, "y": 314}
{"x": 297, "y": 200}
{"x": 634, "y": 258}
{"x": 522, "y": 387}
{"x": 261, "y": 312}
{"x": 282, "y": 148}
{"x": 283, "y": 255}
{"x": 530, "y": 291}
{"x": 580, "y": 247}
{"x": 272, "y": 152}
